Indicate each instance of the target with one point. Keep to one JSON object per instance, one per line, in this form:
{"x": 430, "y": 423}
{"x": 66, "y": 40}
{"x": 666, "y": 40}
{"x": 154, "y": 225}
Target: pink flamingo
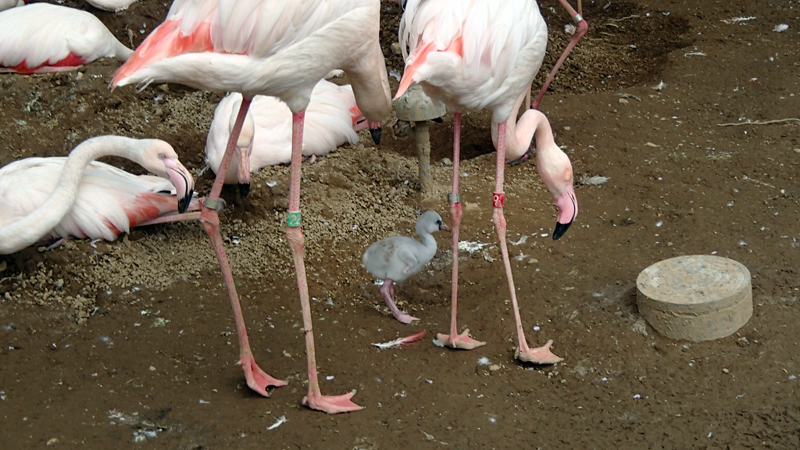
{"x": 332, "y": 119}
{"x": 42, "y": 38}
{"x": 50, "y": 198}
{"x": 272, "y": 48}
{"x": 485, "y": 54}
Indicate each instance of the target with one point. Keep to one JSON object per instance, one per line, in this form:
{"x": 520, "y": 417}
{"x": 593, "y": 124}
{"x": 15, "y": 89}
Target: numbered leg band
{"x": 498, "y": 199}
{"x": 293, "y": 219}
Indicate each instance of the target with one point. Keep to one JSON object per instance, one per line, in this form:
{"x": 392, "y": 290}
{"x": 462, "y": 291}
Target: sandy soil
{"x": 131, "y": 343}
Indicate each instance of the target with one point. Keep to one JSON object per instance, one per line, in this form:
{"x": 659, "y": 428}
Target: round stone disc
{"x": 697, "y": 298}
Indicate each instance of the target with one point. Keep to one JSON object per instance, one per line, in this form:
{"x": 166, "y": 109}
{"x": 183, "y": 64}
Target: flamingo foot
{"x": 257, "y": 379}
{"x": 331, "y": 404}
{"x": 404, "y": 318}
{"x": 540, "y": 355}
{"x": 461, "y": 341}
{"x": 526, "y": 156}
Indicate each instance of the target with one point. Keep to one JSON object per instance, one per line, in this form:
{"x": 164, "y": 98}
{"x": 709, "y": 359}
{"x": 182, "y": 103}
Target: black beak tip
{"x": 244, "y": 189}
{"x": 376, "y": 135}
{"x": 560, "y": 229}
{"x": 183, "y": 202}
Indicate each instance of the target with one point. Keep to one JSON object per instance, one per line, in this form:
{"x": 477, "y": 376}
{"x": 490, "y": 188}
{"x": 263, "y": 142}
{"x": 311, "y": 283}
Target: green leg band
{"x": 293, "y": 219}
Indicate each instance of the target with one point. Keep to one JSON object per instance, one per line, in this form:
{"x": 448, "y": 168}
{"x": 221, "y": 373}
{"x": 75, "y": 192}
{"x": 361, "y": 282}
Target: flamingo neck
{"x": 519, "y": 134}
{"x": 429, "y": 245}
{"x": 372, "y": 93}
{"x": 27, "y": 231}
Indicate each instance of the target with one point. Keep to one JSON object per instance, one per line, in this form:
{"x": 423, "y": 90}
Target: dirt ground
{"x": 132, "y": 344}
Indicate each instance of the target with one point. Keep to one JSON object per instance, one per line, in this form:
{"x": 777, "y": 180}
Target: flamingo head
{"x": 179, "y": 176}
{"x": 556, "y": 172}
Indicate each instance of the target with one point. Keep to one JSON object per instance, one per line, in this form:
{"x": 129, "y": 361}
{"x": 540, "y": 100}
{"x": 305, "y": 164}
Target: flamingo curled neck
{"x": 154, "y": 155}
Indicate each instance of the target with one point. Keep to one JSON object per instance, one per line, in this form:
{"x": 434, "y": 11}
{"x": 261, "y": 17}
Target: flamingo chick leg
{"x": 541, "y": 355}
{"x": 294, "y": 235}
{"x": 387, "y": 292}
{"x": 455, "y": 340}
{"x": 256, "y": 378}
{"x": 581, "y": 29}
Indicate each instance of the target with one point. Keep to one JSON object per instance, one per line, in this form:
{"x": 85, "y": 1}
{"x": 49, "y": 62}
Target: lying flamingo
{"x": 62, "y": 197}
{"x": 332, "y": 119}
{"x": 42, "y": 38}
{"x": 396, "y": 258}
{"x": 485, "y": 54}
{"x": 273, "y": 48}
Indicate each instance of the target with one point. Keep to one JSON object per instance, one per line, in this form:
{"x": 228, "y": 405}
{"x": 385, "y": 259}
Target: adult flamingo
{"x": 42, "y": 38}
{"x": 272, "y": 48}
{"x": 485, "y": 54}
{"x": 47, "y": 198}
{"x": 332, "y": 119}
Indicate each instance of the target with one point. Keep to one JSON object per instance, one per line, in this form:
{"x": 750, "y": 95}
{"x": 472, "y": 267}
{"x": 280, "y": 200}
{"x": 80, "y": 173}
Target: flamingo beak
{"x": 180, "y": 177}
{"x": 444, "y": 227}
{"x": 567, "y": 205}
{"x": 243, "y": 155}
{"x": 375, "y": 131}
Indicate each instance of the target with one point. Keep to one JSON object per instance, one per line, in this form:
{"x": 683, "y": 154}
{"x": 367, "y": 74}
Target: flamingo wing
{"x": 473, "y": 53}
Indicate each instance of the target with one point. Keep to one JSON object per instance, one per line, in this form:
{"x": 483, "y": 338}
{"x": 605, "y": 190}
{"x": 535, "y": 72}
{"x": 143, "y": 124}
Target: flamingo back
{"x": 39, "y": 36}
{"x": 473, "y": 53}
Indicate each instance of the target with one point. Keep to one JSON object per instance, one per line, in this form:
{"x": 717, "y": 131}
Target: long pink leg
{"x": 387, "y": 292}
{"x": 314, "y": 399}
{"x": 541, "y": 355}
{"x": 582, "y": 27}
{"x": 257, "y": 379}
{"x": 455, "y": 340}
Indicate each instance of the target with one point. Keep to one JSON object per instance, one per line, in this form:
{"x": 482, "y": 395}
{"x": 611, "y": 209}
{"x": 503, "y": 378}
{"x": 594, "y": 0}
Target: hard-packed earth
{"x": 681, "y": 105}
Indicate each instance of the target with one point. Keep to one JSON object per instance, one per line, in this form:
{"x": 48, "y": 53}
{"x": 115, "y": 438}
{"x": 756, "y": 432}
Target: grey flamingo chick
{"x": 398, "y": 257}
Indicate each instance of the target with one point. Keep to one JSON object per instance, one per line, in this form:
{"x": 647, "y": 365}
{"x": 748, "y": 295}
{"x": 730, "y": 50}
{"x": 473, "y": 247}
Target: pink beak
{"x": 243, "y": 155}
